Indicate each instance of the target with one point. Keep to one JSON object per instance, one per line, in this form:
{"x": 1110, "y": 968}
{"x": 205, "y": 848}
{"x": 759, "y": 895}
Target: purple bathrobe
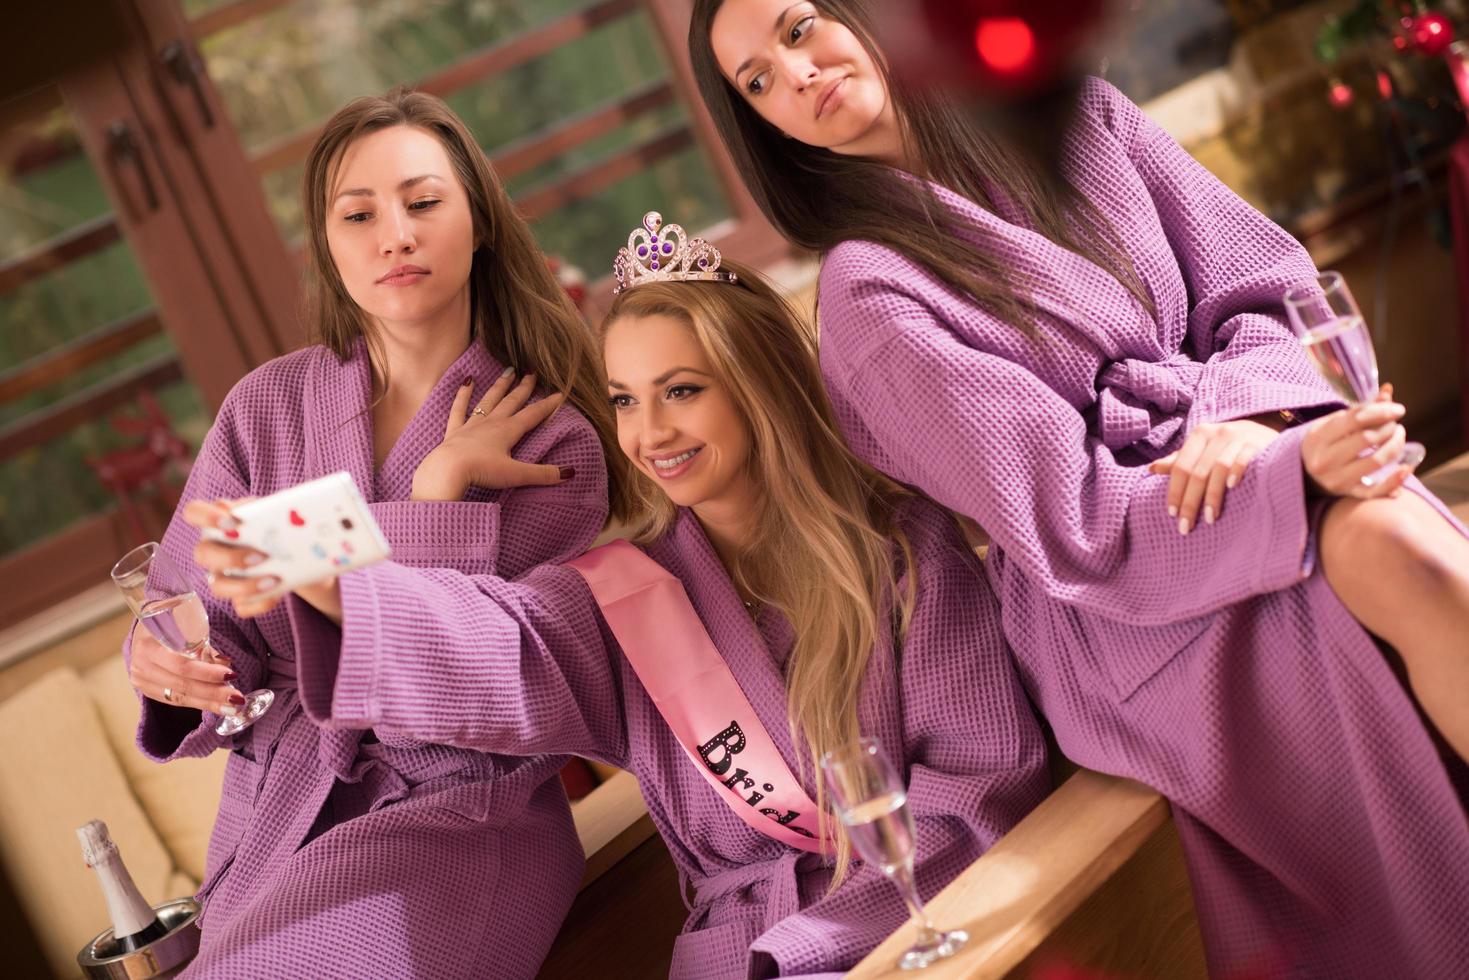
{"x": 531, "y": 666}
{"x": 1323, "y": 835}
{"x": 335, "y": 854}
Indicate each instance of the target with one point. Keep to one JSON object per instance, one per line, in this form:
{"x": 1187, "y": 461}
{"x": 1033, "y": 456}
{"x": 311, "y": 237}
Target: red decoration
{"x": 1005, "y": 44}
{"x": 1384, "y": 84}
{"x": 127, "y": 472}
{"x": 1000, "y": 48}
{"x": 1431, "y": 33}
{"x": 570, "y": 278}
{"x": 1340, "y": 94}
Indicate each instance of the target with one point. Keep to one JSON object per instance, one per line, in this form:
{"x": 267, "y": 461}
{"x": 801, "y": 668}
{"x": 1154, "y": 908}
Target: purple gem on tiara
{"x": 642, "y": 251}
{"x": 668, "y": 248}
{"x": 655, "y": 265}
{"x": 703, "y": 263}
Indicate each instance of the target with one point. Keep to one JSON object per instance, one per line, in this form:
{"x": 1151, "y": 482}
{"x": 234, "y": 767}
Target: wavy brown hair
{"x": 818, "y": 198}
{"x": 518, "y": 310}
{"x": 827, "y": 550}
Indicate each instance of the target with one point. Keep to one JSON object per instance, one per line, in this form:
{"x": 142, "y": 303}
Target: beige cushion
{"x": 57, "y": 771}
{"x": 180, "y": 798}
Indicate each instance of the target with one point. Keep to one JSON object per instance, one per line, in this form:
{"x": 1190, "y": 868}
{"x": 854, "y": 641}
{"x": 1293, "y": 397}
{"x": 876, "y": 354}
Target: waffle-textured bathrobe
{"x": 338, "y": 856}
{"x": 531, "y": 666}
{"x": 1323, "y": 836}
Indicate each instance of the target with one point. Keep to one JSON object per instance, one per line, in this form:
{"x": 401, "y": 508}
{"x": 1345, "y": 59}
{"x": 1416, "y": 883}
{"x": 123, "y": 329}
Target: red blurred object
{"x": 1340, "y": 94}
{"x": 1004, "y": 49}
{"x": 1431, "y": 33}
{"x": 1006, "y": 45}
{"x": 1384, "y": 84}
{"x": 131, "y": 471}
{"x": 572, "y": 279}
{"x": 1059, "y": 969}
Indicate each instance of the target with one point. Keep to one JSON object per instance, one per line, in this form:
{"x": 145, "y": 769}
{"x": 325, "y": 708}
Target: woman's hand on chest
{"x": 477, "y": 445}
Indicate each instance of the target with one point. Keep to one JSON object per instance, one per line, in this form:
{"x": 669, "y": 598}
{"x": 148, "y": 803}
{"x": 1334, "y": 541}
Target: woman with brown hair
{"x": 781, "y": 599}
{"x": 1097, "y": 370}
{"x": 339, "y": 852}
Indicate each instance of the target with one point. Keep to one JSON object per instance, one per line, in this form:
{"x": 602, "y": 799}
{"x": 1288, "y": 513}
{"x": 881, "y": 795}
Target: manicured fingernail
{"x": 506, "y": 373}
{"x": 1183, "y": 525}
{"x": 1172, "y": 511}
{"x": 230, "y": 676}
{"x": 254, "y": 558}
{"x": 1208, "y": 515}
{"x": 1232, "y": 482}
{"x": 567, "y": 472}
{"x": 228, "y": 710}
{"x": 466, "y": 382}
{"x": 228, "y": 522}
{"x": 266, "y": 583}
{"x": 237, "y": 700}
{"x": 1368, "y": 481}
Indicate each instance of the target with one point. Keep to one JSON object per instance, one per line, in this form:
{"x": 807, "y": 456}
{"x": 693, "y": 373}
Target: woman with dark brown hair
{"x": 336, "y": 852}
{"x": 1193, "y": 570}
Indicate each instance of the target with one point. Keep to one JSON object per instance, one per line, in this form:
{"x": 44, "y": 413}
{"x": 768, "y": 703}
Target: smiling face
{"x": 399, "y": 227}
{"x": 808, "y": 75}
{"x": 676, "y": 420}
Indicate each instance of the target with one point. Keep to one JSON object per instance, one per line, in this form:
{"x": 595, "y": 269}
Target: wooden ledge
{"x": 611, "y": 820}
{"x": 1035, "y": 892}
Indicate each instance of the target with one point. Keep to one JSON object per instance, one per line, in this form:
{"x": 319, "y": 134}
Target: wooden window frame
{"x": 214, "y": 259}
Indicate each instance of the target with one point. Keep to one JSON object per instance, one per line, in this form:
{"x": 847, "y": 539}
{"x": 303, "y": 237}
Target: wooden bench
{"x": 1093, "y": 877}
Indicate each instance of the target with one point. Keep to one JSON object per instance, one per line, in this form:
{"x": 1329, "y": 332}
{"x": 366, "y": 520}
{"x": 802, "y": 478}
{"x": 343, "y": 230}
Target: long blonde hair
{"x": 823, "y": 552}
{"x": 518, "y": 310}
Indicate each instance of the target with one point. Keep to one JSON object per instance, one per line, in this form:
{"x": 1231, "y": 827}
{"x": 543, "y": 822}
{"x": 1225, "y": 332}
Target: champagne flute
{"x": 872, "y": 802}
{"x": 1324, "y": 315}
{"x": 169, "y": 608}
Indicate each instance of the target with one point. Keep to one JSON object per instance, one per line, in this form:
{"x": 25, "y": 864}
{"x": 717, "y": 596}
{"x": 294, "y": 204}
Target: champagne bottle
{"x": 134, "y": 923}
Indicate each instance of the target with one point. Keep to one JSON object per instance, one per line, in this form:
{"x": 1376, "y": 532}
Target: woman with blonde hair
{"x": 819, "y": 601}
{"x": 339, "y": 850}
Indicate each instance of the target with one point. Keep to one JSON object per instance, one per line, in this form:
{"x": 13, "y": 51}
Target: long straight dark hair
{"x": 817, "y": 198}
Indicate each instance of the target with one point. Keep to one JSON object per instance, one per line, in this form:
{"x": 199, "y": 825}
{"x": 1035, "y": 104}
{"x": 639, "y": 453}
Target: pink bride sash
{"x": 665, "y": 641}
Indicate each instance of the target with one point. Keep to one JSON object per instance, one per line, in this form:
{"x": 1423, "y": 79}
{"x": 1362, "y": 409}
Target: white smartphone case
{"x": 309, "y": 532}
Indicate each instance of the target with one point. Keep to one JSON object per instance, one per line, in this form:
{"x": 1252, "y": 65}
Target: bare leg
{"x": 1403, "y": 572}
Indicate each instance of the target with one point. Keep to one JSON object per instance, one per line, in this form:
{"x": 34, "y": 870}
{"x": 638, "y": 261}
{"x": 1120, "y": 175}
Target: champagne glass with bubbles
{"x": 872, "y": 802}
{"x": 169, "y": 608}
{"x": 1324, "y": 315}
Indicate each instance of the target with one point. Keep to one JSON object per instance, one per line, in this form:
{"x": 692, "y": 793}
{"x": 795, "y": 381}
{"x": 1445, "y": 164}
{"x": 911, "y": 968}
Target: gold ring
{"x": 480, "y": 412}
{"x": 170, "y": 695}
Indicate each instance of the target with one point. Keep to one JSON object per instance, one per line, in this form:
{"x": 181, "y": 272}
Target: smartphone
{"x": 308, "y": 533}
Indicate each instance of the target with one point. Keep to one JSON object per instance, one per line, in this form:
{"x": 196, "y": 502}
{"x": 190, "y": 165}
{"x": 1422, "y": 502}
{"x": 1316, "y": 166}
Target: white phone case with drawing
{"x": 309, "y": 532}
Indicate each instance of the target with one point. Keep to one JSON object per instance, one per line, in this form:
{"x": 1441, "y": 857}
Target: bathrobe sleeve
{"x": 513, "y": 668}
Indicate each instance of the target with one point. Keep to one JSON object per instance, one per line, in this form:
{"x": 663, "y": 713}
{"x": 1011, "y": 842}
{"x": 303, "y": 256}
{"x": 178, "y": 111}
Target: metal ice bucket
{"x": 103, "y": 959}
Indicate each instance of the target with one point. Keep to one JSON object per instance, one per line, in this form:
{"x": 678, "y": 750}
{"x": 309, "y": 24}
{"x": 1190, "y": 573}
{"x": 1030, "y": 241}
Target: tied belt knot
{"x": 284, "y": 728}
{"x": 783, "y": 894}
{"x": 1143, "y": 403}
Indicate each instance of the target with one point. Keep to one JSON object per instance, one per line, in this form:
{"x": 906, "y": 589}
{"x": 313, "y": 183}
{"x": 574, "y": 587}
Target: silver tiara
{"x": 666, "y": 255}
